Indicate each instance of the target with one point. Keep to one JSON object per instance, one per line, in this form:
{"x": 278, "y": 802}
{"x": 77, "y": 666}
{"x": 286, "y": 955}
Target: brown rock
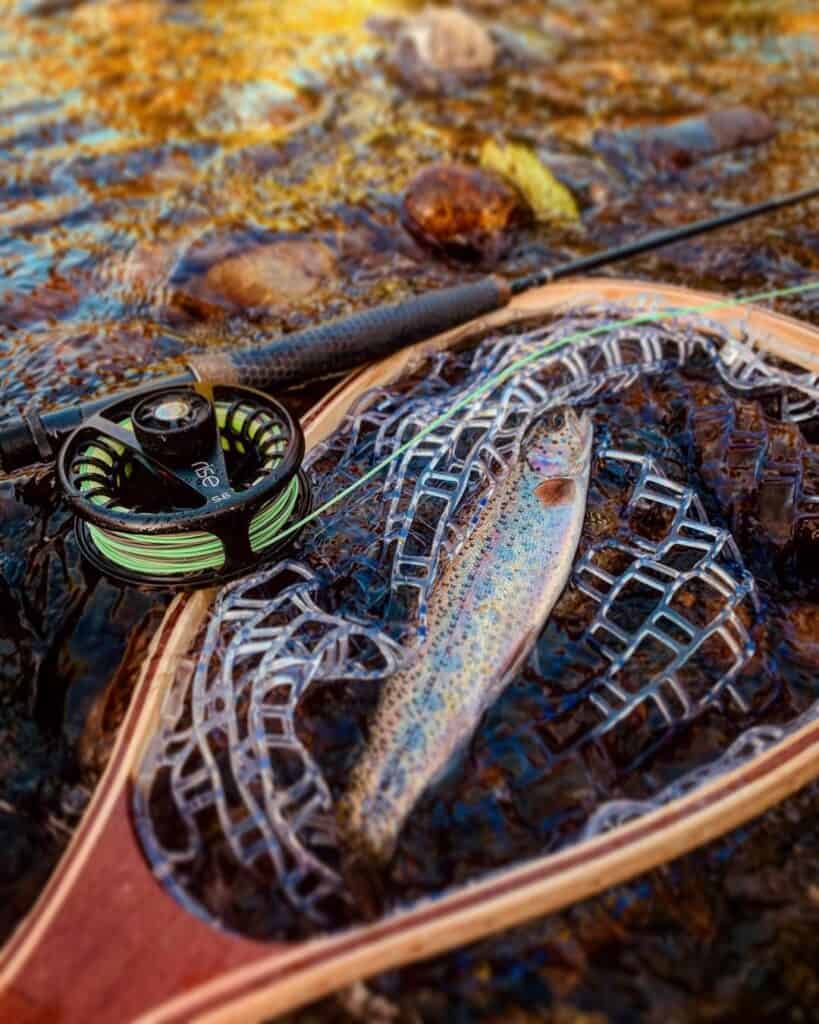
{"x": 464, "y": 212}
{"x": 683, "y": 142}
{"x": 271, "y": 275}
{"x": 739, "y": 126}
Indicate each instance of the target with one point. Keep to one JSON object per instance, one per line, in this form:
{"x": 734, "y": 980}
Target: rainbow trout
{"x": 485, "y": 612}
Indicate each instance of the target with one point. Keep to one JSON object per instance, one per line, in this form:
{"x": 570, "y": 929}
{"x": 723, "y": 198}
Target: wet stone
{"x": 465, "y": 213}
{"x": 438, "y": 48}
{"x": 677, "y": 145}
{"x": 269, "y": 276}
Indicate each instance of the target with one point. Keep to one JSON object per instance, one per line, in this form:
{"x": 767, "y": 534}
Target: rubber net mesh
{"x": 227, "y": 768}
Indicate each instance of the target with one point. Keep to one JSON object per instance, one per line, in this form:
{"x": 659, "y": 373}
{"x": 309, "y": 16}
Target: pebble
{"x": 437, "y": 47}
{"x": 269, "y": 276}
{"x": 464, "y": 212}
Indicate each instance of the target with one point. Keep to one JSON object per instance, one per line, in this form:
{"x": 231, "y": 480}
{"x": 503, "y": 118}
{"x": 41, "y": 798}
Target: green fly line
{"x": 182, "y": 553}
{"x": 518, "y": 364}
{"x": 172, "y": 554}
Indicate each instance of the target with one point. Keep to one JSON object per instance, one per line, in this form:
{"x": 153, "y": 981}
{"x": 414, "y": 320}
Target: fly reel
{"x": 185, "y": 485}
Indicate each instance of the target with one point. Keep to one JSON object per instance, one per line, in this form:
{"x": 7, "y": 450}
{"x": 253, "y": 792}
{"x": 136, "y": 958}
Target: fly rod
{"x": 340, "y": 345}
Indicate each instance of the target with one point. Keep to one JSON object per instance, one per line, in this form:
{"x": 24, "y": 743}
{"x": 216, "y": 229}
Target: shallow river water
{"x": 181, "y": 175}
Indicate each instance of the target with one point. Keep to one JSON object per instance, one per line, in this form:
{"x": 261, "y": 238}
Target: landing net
{"x": 227, "y": 766}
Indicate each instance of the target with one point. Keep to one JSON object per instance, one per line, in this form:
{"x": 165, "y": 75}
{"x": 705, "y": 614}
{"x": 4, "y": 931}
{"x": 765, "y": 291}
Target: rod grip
{"x": 341, "y": 345}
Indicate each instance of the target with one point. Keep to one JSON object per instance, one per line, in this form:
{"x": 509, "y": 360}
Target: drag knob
{"x": 176, "y": 425}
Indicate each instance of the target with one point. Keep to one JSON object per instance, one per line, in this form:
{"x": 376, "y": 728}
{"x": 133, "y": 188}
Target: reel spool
{"x": 185, "y": 486}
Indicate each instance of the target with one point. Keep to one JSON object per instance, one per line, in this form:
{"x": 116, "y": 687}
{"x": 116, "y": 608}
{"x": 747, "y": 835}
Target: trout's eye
{"x": 555, "y": 420}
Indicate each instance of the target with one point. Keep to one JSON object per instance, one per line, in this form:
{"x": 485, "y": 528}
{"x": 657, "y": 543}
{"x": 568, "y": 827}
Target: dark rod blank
{"x": 343, "y": 344}
{"x": 659, "y": 239}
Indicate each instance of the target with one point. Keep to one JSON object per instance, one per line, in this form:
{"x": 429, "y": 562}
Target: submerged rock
{"x": 268, "y": 276}
{"x": 437, "y": 47}
{"x": 464, "y": 212}
{"x": 681, "y": 143}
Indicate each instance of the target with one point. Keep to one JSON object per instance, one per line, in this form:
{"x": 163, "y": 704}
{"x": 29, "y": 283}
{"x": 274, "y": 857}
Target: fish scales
{"x": 485, "y": 612}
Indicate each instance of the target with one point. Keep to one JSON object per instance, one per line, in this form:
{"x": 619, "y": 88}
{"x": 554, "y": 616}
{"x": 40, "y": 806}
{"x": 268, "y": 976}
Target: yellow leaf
{"x": 548, "y": 198}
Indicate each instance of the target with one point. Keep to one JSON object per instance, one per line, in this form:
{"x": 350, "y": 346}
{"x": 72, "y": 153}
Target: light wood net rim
{"x": 239, "y": 980}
